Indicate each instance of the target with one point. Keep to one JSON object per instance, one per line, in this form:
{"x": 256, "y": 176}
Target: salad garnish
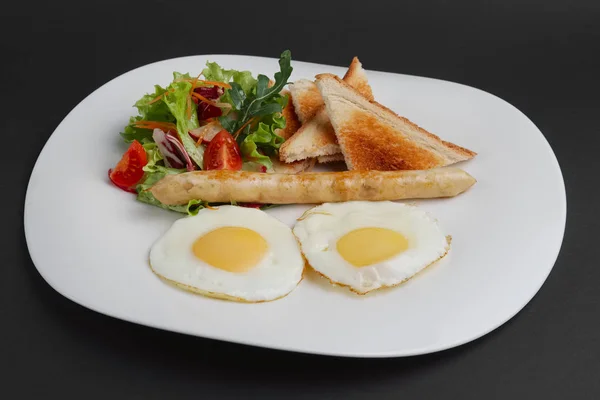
{"x": 219, "y": 119}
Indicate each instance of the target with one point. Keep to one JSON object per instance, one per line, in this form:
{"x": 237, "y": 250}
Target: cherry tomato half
{"x": 223, "y": 152}
{"x": 129, "y": 171}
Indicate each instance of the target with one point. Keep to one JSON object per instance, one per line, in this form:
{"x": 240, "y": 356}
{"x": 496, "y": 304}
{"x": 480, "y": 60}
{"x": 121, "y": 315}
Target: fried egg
{"x": 369, "y": 245}
{"x": 230, "y": 252}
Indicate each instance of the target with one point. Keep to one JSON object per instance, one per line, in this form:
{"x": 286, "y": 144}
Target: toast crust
{"x": 292, "y": 123}
{"x": 363, "y": 123}
{"x": 280, "y": 167}
{"x": 329, "y": 159}
{"x": 357, "y": 78}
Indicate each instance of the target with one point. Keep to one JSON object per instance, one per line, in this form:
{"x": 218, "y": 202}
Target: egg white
{"x": 321, "y": 227}
{"x": 276, "y": 275}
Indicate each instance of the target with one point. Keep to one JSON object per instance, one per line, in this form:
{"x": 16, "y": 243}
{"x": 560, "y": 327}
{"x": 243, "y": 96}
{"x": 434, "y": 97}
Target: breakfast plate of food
{"x": 297, "y": 206}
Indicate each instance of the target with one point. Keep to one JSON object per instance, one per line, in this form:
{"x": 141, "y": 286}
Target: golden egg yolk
{"x": 231, "y": 248}
{"x": 368, "y": 246}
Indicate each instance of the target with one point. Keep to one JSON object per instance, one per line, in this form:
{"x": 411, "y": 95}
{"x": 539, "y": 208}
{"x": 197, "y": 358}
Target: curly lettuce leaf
{"x": 265, "y": 139}
{"x": 242, "y": 81}
{"x": 131, "y": 133}
{"x": 154, "y": 173}
{"x": 179, "y": 76}
{"x": 191, "y": 208}
{"x": 145, "y": 196}
{"x": 154, "y": 111}
{"x": 148, "y": 111}
{"x": 180, "y": 105}
{"x": 214, "y": 72}
{"x": 153, "y": 155}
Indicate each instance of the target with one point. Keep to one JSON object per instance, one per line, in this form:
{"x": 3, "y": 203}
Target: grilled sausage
{"x": 310, "y": 187}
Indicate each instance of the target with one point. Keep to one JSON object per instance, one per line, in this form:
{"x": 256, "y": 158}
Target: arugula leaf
{"x": 264, "y": 101}
{"x": 237, "y": 95}
{"x": 262, "y": 85}
{"x": 228, "y": 123}
{"x": 281, "y": 78}
{"x": 268, "y": 109}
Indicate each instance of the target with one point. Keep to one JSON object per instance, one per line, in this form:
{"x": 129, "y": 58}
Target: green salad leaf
{"x": 145, "y": 196}
{"x": 154, "y": 172}
{"x": 153, "y": 155}
{"x": 243, "y": 79}
{"x": 260, "y": 101}
{"x": 178, "y": 102}
{"x": 131, "y": 133}
{"x": 256, "y": 105}
{"x": 151, "y": 110}
{"x": 191, "y": 208}
{"x": 148, "y": 110}
{"x": 214, "y": 72}
{"x": 265, "y": 93}
{"x": 267, "y": 139}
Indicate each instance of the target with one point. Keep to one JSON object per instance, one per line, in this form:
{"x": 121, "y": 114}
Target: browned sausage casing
{"x": 310, "y": 187}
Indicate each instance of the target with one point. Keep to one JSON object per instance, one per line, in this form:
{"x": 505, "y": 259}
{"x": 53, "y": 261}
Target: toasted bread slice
{"x": 313, "y": 139}
{"x": 373, "y": 137}
{"x": 316, "y": 136}
{"x": 306, "y": 98}
{"x": 357, "y": 78}
{"x": 280, "y": 167}
{"x": 292, "y": 124}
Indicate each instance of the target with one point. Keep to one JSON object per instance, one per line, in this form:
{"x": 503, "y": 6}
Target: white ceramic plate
{"x": 90, "y": 241}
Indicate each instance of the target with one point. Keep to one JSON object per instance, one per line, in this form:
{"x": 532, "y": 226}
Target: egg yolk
{"x": 367, "y": 246}
{"x": 231, "y": 248}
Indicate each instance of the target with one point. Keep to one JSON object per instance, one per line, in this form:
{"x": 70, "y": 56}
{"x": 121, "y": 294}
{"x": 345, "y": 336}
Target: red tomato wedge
{"x": 223, "y": 152}
{"x": 129, "y": 171}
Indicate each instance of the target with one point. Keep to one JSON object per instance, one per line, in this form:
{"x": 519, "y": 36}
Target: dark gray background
{"x": 541, "y": 56}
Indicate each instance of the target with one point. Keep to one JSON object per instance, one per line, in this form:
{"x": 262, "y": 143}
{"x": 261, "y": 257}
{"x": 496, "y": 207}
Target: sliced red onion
{"x": 206, "y": 111}
{"x": 177, "y": 144}
{"x": 171, "y": 153}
